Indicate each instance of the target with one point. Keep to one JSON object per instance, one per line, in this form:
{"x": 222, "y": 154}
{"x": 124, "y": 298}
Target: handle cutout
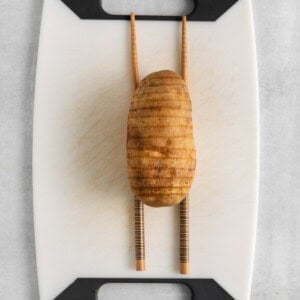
{"x": 146, "y": 7}
{"x": 144, "y": 291}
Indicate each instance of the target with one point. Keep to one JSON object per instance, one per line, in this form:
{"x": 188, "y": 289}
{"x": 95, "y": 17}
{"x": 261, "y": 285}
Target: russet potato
{"x": 161, "y": 154}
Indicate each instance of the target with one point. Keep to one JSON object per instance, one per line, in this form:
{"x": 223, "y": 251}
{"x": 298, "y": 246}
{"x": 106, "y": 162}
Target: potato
{"x": 161, "y": 154}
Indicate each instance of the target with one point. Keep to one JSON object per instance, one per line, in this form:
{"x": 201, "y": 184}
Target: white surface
{"x": 277, "y": 270}
{"x": 82, "y": 201}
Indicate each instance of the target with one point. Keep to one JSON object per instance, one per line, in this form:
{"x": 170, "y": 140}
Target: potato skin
{"x": 161, "y": 156}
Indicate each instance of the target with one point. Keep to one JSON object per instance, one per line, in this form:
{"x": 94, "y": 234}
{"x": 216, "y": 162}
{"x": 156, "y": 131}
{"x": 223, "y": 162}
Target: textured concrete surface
{"x": 19, "y": 31}
{"x": 277, "y": 262}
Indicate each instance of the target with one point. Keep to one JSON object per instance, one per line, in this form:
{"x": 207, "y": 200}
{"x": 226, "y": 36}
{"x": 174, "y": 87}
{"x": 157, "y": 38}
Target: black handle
{"x": 204, "y": 10}
{"x": 87, "y": 288}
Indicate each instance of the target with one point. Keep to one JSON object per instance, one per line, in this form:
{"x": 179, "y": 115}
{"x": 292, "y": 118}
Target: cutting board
{"x": 83, "y": 205}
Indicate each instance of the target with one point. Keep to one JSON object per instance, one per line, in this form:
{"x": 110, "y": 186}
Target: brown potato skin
{"x": 161, "y": 156}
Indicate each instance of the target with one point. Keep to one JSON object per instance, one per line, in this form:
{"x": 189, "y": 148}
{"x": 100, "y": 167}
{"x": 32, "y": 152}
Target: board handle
{"x": 87, "y": 288}
{"x": 204, "y": 10}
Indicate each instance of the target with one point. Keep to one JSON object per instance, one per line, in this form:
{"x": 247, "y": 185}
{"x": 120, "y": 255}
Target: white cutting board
{"x": 83, "y": 206}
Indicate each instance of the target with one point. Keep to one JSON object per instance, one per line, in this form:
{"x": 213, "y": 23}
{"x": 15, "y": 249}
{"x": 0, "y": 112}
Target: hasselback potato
{"x": 160, "y": 146}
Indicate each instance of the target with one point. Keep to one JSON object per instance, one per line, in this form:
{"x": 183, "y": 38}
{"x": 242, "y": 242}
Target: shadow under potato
{"x": 100, "y": 118}
{"x": 101, "y": 140}
{"x": 99, "y": 149}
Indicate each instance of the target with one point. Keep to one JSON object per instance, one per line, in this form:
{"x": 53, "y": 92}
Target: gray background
{"x": 277, "y": 262}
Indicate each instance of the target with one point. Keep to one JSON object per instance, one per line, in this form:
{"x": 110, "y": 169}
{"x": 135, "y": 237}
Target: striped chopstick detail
{"x": 139, "y": 234}
{"x": 184, "y": 235}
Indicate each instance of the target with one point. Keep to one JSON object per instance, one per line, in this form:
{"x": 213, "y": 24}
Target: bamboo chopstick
{"x": 138, "y": 205}
{"x": 184, "y": 205}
